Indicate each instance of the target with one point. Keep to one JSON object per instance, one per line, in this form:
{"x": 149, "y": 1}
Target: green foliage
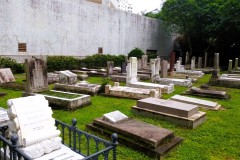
{"x": 209, "y": 25}
{"x": 57, "y": 63}
{"x": 6, "y": 62}
{"x": 105, "y": 81}
{"x": 100, "y": 60}
{"x": 136, "y": 52}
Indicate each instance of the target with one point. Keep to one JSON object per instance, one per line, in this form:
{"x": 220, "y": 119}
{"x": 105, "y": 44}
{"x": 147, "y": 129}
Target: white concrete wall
{"x": 76, "y": 28}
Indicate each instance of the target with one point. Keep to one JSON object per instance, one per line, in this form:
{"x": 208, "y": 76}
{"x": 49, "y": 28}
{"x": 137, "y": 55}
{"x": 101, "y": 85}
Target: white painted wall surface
{"x": 76, "y": 28}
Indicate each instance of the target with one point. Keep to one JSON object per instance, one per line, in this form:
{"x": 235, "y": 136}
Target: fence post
{"x": 73, "y": 128}
{"x": 114, "y": 143}
{"x": 14, "y": 139}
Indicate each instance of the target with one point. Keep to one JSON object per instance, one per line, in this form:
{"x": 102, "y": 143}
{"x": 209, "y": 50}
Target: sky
{"x": 142, "y": 5}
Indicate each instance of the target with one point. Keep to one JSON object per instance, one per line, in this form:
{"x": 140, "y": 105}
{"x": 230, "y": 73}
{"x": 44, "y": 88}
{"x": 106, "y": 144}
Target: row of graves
{"x": 153, "y": 140}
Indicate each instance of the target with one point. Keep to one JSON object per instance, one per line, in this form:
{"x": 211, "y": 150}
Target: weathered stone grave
{"x": 4, "y": 119}
{"x": 6, "y": 75}
{"x": 164, "y": 68}
{"x": 206, "y": 93}
{"x": 132, "y": 80}
{"x": 144, "y": 61}
{"x": 36, "y": 75}
{"x": 151, "y": 139}
{"x": 183, "y": 114}
{"x": 129, "y": 92}
{"x": 81, "y": 75}
{"x": 67, "y": 77}
{"x": 31, "y": 119}
{"x": 52, "y": 78}
{"x": 196, "y": 101}
{"x": 110, "y": 66}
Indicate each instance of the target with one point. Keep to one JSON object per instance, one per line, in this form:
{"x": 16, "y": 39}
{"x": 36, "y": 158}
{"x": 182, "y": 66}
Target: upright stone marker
{"x": 229, "y": 65}
{"x": 205, "y": 59}
{"x": 216, "y": 61}
{"x": 139, "y": 64}
{"x": 199, "y": 62}
{"x": 187, "y": 58}
{"x": 164, "y": 68}
{"x": 236, "y": 64}
{"x": 124, "y": 67}
{"x": 132, "y": 70}
{"x": 193, "y": 61}
{"x": 172, "y": 61}
{"x": 144, "y": 61}
{"x": 153, "y": 71}
{"x": 180, "y": 60}
{"x": 110, "y": 66}
{"x": 157, "y": 65}
{"x": 36, "y": 75}
{"x": 6, "y": 75}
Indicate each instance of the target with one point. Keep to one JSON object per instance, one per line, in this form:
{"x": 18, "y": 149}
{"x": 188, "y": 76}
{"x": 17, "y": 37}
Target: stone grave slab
{"x": 178, "y": 82}
{"x": 6, "y": 75}
{"x": 67, "y": 77}
{"x": 201, "y": 103}
{"x": 139, "y": 135}
{"x": 130, "y": 92}
{"x": 186, "y": 115}
{"x": 3, "y": 117}
{"x": 52, "y": 78}
{"x": 80, "y": 87}
{"x": 206, "y": 93}
{"x": 115, "y": 117}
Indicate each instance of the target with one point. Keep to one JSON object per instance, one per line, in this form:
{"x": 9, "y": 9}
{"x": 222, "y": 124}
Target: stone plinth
{"x": 183, "y": 114}
{"x": 196, "y": 101}
{"x": 132, "y": 93}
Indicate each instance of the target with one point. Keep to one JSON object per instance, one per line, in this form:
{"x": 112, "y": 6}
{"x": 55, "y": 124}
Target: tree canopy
{"x": 206, "y": 25}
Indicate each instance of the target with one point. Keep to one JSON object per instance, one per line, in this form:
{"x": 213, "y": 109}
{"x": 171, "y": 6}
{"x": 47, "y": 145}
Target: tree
{"x": 208, "y": 25}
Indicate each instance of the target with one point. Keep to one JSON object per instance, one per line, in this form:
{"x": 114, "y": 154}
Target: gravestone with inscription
{"x": 36, "y": 75}
{"x": 6, "y": 75}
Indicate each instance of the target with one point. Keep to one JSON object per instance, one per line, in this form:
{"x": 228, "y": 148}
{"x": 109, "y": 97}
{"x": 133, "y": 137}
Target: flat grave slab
{"x": 151, "y": 139}
{"x": 168, "y": 106}
{"x": 201, "y": 103}
{"x": 178, "y": 82}
{"x": 186, "y": 115}
{"x": 130, "y": 92}
{"x": 206, "y": 93}
{"x": 164, "y": 88}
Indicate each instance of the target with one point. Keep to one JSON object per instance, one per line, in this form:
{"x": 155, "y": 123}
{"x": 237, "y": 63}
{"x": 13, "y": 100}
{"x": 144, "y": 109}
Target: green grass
{"x": 216, "y": 139}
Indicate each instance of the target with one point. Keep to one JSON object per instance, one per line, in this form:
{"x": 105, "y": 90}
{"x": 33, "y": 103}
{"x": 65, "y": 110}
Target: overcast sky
{"x": 142, "y": 5}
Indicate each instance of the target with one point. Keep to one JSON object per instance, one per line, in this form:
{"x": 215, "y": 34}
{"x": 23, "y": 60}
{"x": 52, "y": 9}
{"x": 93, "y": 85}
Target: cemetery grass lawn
{"x": 216, "y": 139}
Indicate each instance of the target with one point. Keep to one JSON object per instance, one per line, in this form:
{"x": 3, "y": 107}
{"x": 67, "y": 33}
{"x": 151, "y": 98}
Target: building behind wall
{"x": 76, "y": 28}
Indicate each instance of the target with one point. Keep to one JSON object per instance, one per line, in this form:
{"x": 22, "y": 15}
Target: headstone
{"x": 199, "y": 62}
{"x": 157, "y": 66}
{"x": 6, "y": 75}
{"x": 139, "y": 64}
{"x": 172, "y": 61}
{"x": 115, "y": 117}
{"x": 110, "y": 66}
{"x": 216, "y": 61}
{"x": 36, "y": 75}
{"x": 236, "y": 64}
{"x": 230, "y": 65}
{"x": 132, "y": 70}
{"x": 67, "y": 77}
{"x": 178, "y": 66}
{"x": 124, "y": 67}
{"x": 187, "y": 58}
{"x": 205, "y": 59}
{"x": 164, "y": 68}
{"x": 193, "y": 61}
{"x": 153, "y": 71}
{"x": 144, "y": 61}
{"x": 180, "y": 59}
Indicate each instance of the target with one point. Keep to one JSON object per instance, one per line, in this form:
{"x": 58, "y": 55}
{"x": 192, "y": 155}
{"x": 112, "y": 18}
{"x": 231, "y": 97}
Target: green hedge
{"x": 57, "y": 63}
{"x": 136, "y": 52}
{"x": 6, "y": 62}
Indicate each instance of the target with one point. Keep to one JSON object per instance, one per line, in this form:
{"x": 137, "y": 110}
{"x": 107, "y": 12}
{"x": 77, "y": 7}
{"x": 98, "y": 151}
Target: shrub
{"x": 6, "y": 62}
{"x": 136, "y": 52}
{"x": 57, "y": 63}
